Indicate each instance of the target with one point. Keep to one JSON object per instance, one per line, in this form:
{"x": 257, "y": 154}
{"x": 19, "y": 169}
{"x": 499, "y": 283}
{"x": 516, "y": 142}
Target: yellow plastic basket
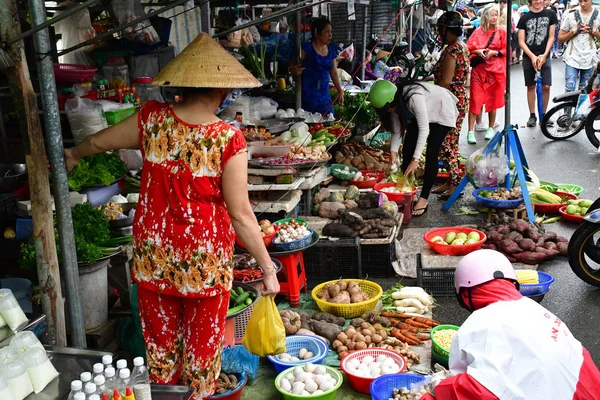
{"x": 349, "y": 310}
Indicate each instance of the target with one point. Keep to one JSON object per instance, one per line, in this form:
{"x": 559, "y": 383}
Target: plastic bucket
{"x": 22, "y": 290}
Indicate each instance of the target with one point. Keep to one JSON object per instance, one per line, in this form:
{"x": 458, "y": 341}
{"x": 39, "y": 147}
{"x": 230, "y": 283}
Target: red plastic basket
{"x": 397, "y": 197}
{"x": 361, "y": 384}
{"x": 376, "y": 176}
{"x": 73, "y": 73}
{"x": 449, "y": 250}
{"x": 553, "y": 208}
{"x": 572, "y": 218}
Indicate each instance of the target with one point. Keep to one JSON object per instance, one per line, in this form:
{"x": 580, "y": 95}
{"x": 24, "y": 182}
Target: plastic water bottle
{"x": 124, "y": 380}
{"x": 89, "y": 389}
{"x": 110, "y": 379}
{"x": 98, "y": 370}
{"x": 76, "y": 387}
{"x": 141, "y": 380}
{"x": 121, "y": 364}
{"x": 99, "y": 381}
{"x": 107, "y": 361}
{"x": 79, "y": 396}
{"x": 94, "y": 397}
{"x": 85, "y": 377}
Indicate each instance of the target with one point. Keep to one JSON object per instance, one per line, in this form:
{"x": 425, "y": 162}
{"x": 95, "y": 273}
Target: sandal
{"x": 424, "y": 209}
{"x": 440, "y": 189}
{"x": 446, "y": 196}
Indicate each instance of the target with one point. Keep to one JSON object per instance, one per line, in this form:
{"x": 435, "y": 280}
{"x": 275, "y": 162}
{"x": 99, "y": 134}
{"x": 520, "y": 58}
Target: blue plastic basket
{"x": 293, "y": 344}
{"x": 383, "y": 387}
{"x": 537, "y": 288}
{"x": 295, "y": 245}
{"x": 495, "y": 203}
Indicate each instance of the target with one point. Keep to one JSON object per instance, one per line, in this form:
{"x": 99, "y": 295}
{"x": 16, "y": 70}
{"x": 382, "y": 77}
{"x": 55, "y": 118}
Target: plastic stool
{"x": 292, "y": 277}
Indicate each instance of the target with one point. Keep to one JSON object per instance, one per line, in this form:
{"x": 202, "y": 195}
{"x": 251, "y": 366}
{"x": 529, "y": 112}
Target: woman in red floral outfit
{"x": 193, "y": 194}
{"x": 451, "y": 72}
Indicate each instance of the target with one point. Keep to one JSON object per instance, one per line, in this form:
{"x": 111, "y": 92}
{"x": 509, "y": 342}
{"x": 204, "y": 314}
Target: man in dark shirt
{"x": 536, "y": 36}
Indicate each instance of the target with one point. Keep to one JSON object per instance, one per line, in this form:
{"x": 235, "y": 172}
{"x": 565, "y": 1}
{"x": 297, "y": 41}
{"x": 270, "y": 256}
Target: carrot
{"x": 394, "y": 321}
{"x": 388, "y": 314}
{"x": 423, "y": 336}
{"x": 416, "y": 324}
{"x": 427, "y": 321}
{"x": 407, "y": 327}
{"x": 398, "y": 335}
{"x": 411, "y": 336}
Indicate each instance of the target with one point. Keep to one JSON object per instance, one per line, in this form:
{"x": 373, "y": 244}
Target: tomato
{"x": 318, "y": 127}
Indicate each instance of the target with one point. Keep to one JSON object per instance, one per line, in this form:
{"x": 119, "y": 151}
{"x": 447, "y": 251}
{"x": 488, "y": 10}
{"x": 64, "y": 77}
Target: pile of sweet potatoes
{"x": 523, "y": 241}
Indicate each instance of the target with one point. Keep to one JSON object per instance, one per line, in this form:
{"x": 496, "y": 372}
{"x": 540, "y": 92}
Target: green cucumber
{"x": 248, "y": 301}
{"x": 233, "y": 294}
{"x": 240, "y": 290}
{"x": 242, "y": 298}
{"x": 236, "y": 309}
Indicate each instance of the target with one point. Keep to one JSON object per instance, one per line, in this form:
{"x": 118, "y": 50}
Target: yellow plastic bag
{"x": 265, "y": 333}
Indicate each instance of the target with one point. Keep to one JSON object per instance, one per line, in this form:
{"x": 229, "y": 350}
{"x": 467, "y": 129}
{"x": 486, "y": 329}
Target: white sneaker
{"x": 481, "y": 127}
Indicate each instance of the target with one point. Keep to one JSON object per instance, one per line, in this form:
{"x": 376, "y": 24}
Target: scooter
{"x": 584, "y": 247}
{"x": 559, "y": 122}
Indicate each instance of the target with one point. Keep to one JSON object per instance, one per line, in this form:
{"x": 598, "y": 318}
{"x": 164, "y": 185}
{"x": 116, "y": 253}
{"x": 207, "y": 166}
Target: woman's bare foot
{"x": 441, "y": 189}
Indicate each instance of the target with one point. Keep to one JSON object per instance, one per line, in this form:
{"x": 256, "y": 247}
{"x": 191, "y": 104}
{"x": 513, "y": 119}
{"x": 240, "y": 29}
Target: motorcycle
{"x": 400, "y": 55}
{"x": 584, "y": 247}
{"x": 559, "y": 122}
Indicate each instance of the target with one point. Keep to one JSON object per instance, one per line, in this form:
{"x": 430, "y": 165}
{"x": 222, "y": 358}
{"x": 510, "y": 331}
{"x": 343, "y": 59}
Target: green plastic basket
{"x": 331, "y": 394}
{"x": 567, "y": 187}
{"x": 114, "y": 117}
{"x": 437, "y": 349}
{"x": 298, "y": 220}
{"x": 337, "y": 170}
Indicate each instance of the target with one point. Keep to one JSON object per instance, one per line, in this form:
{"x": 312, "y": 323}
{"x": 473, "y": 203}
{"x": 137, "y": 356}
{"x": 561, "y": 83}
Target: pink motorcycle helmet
{"x": 482, "y": 266}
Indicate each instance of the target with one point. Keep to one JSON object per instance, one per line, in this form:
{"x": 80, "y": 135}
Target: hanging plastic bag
{"x": 488, "y": 170}
{"x": 130, "y": 10}
{"x": 85, "y": 116}
{"x": 265, "y": 334}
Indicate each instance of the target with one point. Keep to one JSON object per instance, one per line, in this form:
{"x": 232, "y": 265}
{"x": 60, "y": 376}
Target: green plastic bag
{"x": 265, "y": 333}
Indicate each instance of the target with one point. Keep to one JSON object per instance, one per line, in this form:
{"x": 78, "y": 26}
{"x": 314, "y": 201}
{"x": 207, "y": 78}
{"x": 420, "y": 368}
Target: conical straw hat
{"x": 205, "y": 64}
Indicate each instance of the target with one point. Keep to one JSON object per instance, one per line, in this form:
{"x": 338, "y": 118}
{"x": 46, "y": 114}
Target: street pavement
{"x": 572, "y": 161}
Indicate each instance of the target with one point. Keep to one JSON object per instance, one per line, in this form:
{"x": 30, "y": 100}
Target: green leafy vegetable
{"x": 365, "y": 113}
{"x": 90, "y": 227}
{"x": 103, "y": 168}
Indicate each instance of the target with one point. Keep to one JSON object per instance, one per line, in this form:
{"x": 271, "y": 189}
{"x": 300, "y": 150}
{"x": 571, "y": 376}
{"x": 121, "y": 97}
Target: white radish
{"x": 409, "y": 293}
{"x": 404, "y": 310}
{"x": 409, "y": 303}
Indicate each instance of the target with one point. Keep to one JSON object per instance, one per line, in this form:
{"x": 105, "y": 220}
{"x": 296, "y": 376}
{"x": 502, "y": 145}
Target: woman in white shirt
{"x": 432, "y": 108}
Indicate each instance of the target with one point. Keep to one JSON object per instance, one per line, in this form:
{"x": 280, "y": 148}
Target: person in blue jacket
{"x": 317, "y": 64}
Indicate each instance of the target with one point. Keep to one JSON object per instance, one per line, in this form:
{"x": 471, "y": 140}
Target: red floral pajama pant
{"x": 450, "y": 152}
{"x": 184, "y": 338}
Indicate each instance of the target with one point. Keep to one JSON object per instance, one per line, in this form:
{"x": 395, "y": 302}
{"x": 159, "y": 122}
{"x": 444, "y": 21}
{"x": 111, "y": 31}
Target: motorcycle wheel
{"x": 593, "y": 130}
{"x": 584, "y": 251}
{"x": 404, "y": 63}
{"x": 564, "y": 126}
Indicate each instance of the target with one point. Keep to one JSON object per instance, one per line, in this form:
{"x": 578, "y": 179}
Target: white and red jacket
{"x": 512, "y": 348}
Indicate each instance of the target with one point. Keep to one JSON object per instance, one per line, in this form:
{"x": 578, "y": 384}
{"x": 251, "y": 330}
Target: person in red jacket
{"x": 511, "y": 347}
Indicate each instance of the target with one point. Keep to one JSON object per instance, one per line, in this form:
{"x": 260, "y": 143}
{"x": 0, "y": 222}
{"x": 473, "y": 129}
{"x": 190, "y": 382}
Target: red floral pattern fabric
{"x": 182, "y": 235}
{"x": 450, "y": 152}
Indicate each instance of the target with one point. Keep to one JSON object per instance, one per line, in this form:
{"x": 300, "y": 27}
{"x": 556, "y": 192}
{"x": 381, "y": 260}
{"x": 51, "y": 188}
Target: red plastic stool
{"x": 292, "y": 277}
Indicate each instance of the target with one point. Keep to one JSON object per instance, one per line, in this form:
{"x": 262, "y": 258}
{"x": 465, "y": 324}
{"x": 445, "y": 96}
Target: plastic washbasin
{"x": 484, "y": 201}
{"x": 533, "y": 289}
{"x": 337, "y": 170}
{"x": 553, "y": 208}
{"x": 570, "y": 217}
{"x": 449, "y": 250}
{"x": 382, "y": 388}
{"x": 293, "y": 344}
{"x": 375, "y": 176}
{"x": 331, "y": 394}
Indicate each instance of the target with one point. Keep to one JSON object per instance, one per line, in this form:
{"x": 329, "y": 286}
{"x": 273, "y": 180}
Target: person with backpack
{"x": 579, "y": 30}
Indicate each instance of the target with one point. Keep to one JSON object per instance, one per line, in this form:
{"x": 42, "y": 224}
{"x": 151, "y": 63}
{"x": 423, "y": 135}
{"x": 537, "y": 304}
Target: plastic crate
{"x": 114, "y": 117}
{"x": 376, "y": 260}
{"x": 332, "y": 259}
{"x": 8, "y": 208}
{"x": 436, "y": 281}
{"x": 306, "y": 201}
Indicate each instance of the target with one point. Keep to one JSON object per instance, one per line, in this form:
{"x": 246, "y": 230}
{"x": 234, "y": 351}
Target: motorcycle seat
{"x": 569, "y": 96}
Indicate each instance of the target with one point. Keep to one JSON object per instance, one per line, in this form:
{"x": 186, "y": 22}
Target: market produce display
{"x": 343, "y": 292}
{"x": 226, "y": 383}
{"x": 99, "y": 169}
{"x": 443, "y": 338}
{"x": 256, "y": 135}
{"x": 406, "y": 299}
{"x": 527, "y": 276}
{"x": 324, "y": 325}
{"x": 502, "y": 194}
{"x": 308, "y": 380}
{"x": 303, "y": 354}
{"x": 362, "y": 157}
{"x": 373, "y": 367}
{"x": 457, "y": 239}
{"x": 522, "y": 241}
{"x": 578, "y": 207}
{"x": 266, "y": 227}
{"x": 541, "y": 196}
{"x": 246, "y": 268}
{"x": 291, "y": 231}
{"x": 240, "y": 299}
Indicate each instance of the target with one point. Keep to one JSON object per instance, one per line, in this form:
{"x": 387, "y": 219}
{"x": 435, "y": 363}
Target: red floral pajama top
{"x": 182, "y": 235}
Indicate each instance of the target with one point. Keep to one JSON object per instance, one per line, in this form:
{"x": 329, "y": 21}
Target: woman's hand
{"x": 412, "y": 167}
{"x": 296, "y": 69}
{"x": 340, "y": 99}
{"x": 270, "y": 283}
{"x": 480, "y": 52}
{"x": 70, "y": 160}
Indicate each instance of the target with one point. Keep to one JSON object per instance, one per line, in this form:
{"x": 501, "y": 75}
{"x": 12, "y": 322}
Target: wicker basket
{"x": 350, "y": 310}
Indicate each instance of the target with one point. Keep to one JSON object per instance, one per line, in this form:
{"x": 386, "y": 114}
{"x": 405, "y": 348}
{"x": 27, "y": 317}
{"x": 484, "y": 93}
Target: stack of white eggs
{"x": 309, "y": 380}
{"x": 370, "y": 367}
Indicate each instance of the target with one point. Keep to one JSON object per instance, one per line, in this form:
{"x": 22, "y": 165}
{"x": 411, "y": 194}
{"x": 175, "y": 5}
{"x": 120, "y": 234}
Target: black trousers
{"x": 437, "y": 133}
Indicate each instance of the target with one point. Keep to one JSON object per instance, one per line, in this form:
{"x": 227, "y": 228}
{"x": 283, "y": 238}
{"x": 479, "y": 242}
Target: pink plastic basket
{"x": 73, "y": 73}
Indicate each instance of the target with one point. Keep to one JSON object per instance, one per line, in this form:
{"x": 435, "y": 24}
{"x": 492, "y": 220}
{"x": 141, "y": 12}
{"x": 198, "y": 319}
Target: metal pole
{"x": 67, "y": 13}
{"x": 509, "y": 34}
{"x": 364, "y": 44}
{"x": 299, "y": 56}
{"x": 205, "y": 16}
{"x": 410, "y": 28}
{"x": 110, "y": 33}
{"x": 54, "y": 142}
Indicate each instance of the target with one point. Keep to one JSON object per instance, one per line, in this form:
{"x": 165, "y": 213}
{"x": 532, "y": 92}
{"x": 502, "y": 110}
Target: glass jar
{"x": 117, "y": 73}
{"x": 146, "y": 92}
